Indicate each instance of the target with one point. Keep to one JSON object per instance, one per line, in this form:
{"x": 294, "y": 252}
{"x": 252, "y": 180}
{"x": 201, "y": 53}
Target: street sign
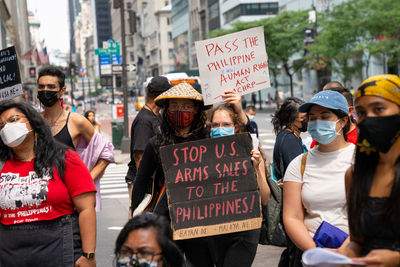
{"x": 109, "y": 48}
{"x": 132, "y": 67}
{"x": 116, "y": 59}
{"x": 105, "y": 69}
{"x": 116, "y": 68}
{"x": 105, "y": 60}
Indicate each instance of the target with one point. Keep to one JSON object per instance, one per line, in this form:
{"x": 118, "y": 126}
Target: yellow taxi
{"x": 139, "y": 102}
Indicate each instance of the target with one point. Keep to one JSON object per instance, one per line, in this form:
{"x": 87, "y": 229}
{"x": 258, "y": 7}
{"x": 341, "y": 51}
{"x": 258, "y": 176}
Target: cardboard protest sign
{"x": 211, "y": 187}
{"x": 236, "y": 61}
{"x": 10, "y": 79}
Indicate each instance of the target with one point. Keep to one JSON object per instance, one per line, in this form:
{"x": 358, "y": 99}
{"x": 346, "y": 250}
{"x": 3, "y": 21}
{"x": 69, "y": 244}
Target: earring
{"x": 35, "y": 139}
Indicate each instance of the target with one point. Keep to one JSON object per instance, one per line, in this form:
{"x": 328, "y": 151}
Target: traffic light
{"x": 72, "y": 69}
{"x": 32, "y": 72}
{"x": 118, "y": 81}
{"x": 132, "y": 21}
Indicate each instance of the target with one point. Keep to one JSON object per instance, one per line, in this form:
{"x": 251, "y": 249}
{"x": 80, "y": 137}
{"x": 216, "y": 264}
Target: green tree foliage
{"x": 356, "y": 30}
{"x": 283, "y": 40}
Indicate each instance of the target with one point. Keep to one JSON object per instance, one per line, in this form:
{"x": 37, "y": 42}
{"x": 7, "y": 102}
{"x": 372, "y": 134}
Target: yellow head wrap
{"x": 386, "y": 86}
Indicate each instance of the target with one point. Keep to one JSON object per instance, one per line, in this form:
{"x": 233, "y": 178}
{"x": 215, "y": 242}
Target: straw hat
{"x": 182, "y": 90}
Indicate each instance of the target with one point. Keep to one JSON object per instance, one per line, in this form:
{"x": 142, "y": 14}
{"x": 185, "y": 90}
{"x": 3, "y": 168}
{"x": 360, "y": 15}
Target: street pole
{"x": 90, "y": 97}
{"x": 125, "y": 142}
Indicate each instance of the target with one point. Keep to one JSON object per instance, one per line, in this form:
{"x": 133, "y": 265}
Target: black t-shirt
{"x": 289, "y": 146}
{"x": 141, "y": 131}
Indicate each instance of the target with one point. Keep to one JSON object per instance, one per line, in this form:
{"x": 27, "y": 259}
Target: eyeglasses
{"x": 49, "y": 86}
{"x": 11, "y": 119}
{"x": 128, "y": 258}
{"x": 222, "y": 124}
{"x": 175, "y": 107}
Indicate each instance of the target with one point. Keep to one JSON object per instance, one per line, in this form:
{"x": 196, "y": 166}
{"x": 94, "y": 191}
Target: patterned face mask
{"x": 181, "y": 119}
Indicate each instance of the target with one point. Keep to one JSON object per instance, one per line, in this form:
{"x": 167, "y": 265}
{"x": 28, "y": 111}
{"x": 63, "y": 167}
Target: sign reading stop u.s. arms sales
{"x": 211, "y": 187}
{"x": 10, "y": 79}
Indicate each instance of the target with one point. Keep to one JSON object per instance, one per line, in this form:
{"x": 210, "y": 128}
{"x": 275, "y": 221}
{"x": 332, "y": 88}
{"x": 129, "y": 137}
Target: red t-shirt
{"x": 24, "y": 197}
{"x": 351, "y": 137}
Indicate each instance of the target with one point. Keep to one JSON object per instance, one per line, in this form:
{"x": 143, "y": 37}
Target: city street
{"x": 115, "y": 196}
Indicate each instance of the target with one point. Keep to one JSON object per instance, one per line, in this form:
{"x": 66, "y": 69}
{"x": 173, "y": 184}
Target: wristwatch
{"x": 88, "y": 255}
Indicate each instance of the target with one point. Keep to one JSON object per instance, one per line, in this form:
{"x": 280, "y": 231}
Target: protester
{"x": 43, "y": 184}
{"x": 313, "y": 190}
{"x": 251, "y": 113}
{"x": 237, "y": 249}
{"x": 146, "y": 240}
{"x": 331, "y": 85}
{"x": 254, "y": 98}
{"x": 73, "y": 129}
{"x": 143, "y": 129}
{"x": 352, "y": 133}
{"x": 183, "y": 120}
{"x": 373, "y": 183}
{"x": 278, "y": 99}
{"x": 288, "y": 125}
{"x": 91, "y": 116}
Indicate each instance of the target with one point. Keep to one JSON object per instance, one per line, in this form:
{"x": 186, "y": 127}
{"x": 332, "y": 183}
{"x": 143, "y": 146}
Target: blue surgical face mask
{"x": 324, "y": 132}
{"x": 222, "y": 131}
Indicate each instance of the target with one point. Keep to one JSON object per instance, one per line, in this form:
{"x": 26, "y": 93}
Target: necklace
{"x": 54, "y": 122}
{"x": 149, "y": 108}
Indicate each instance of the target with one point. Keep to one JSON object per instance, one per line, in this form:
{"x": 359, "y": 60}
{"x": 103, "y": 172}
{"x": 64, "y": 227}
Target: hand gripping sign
{"x": 236, "y": 61}
{"x": 211, "y": 187}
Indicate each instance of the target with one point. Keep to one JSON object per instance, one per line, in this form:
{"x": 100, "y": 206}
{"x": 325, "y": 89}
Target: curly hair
{"x": 287, "y": 114}
{"x": 48, "y": 152}
{"x": 172, "y": 256}
{"x": 165, "y": 132}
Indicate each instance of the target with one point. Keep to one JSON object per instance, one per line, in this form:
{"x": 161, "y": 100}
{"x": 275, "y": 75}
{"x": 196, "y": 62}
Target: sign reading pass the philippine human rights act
{"x": 211, "y": 187}
{"x": 10, "y": 79}
{"x": 236, "y": 61}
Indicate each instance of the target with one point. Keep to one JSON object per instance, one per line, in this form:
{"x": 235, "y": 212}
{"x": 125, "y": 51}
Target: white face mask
{"x": 13, "y": 134}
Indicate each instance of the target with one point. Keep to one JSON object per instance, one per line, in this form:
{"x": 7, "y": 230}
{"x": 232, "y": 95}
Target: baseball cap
{"x": 158, "y": 85}
{"x": 328, "y": 99}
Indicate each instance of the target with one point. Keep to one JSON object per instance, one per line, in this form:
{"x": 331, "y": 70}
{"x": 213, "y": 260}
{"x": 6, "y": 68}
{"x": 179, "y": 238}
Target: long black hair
{"x": 165, "y": 132}
{"x": 172, "y": 256}
{"x": 287, "y": 114}
{"x": 87, "y": 116}
{"x": 48, "y": 152}
{"x": 362, "y": 177}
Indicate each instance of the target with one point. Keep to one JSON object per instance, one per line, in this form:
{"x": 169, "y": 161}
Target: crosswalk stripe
{"x": 113, "y": 185}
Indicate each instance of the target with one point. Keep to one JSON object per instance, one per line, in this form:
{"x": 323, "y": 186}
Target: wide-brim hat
{"x": 180, "y": 91}
{"x": 328, "y": 99}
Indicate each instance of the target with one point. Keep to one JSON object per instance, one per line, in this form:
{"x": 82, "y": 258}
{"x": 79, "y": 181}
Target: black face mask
{"x": 48, "y": 98}
{"x": 380, "y": 132}
{"x": 304, "y": 125}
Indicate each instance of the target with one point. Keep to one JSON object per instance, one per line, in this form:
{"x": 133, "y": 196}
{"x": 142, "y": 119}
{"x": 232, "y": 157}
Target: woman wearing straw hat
{"x": 373, "y": 183}
{"x": 183, "y": 120}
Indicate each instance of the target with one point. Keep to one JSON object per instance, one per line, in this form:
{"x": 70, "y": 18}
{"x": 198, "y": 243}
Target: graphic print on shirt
{"x": 23, "y": 192}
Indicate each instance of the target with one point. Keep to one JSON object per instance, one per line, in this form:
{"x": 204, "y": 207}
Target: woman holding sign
{"x": 183, "y": 120}
{"x": 237, "y": 249}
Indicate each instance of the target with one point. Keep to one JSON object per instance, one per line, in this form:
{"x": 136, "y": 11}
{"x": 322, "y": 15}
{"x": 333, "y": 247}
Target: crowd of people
{"x": 341, "y": 193}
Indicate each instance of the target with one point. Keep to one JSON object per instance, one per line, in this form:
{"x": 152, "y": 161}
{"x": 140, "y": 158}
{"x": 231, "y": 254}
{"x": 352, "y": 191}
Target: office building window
{"x": 171, "y": 53}
{"x": 213, "y": 11}
{"x": 251, "y": 9}
{"x": 132, "y": 56}
{"x": 169, "y": 36}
